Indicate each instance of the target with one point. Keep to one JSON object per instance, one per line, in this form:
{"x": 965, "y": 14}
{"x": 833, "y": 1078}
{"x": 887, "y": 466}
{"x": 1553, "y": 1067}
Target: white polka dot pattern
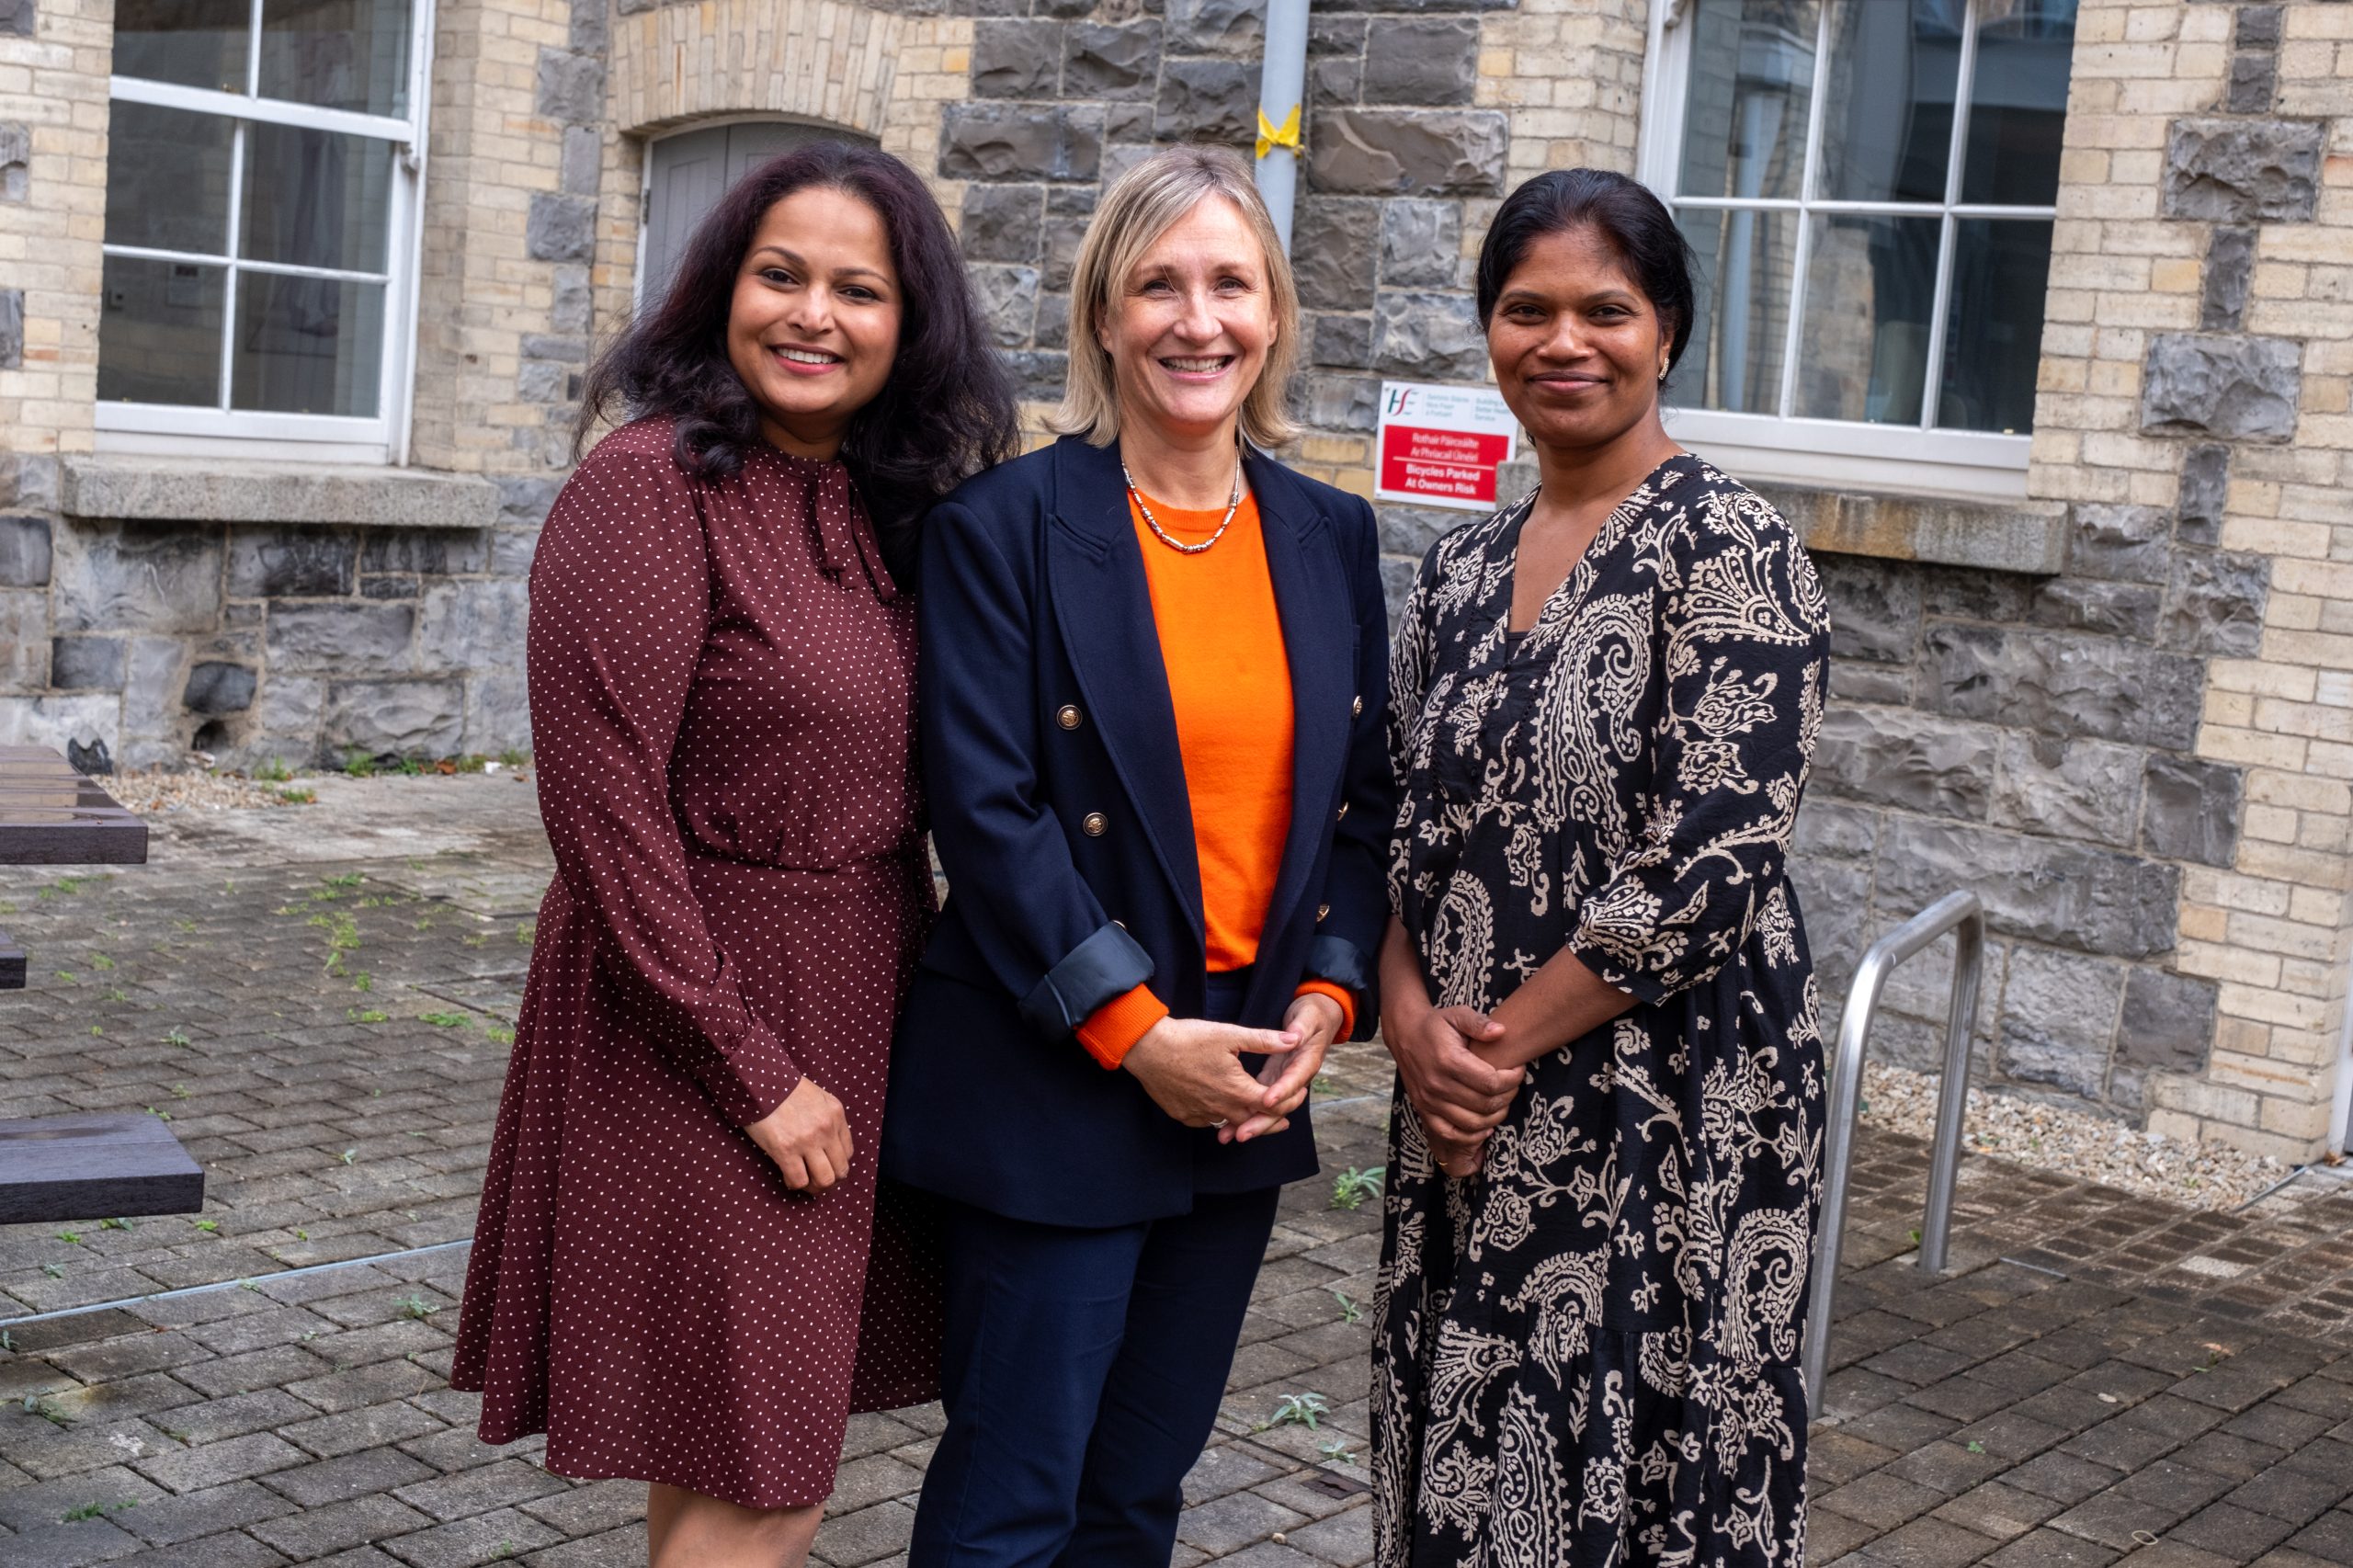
{"x": 721, "y": 682}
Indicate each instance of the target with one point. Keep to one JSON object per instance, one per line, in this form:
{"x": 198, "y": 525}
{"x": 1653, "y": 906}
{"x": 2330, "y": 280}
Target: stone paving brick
{"x": 314, "y": 1533}
{"x": 461, "y": 1543}
{"x": 367, "y": 1426}
{"x": 230, "y": 1548}
{"x": 353, "y": 1475}
{"x": 496, "y": 1485}
{"x": 213, "y": 1465}
{"x": 2226, "y": 1528}
{"x": 233, "y": 1506}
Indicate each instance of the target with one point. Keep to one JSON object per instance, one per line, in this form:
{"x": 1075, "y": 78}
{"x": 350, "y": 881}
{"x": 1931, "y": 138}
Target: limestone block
{"x": 1411, "y": 530}
{"x": 1110, "y": 60}
{"x": 217, "y": 687}
{"x": 291, "y": 562}
{"x": 2191, "y": 810}
{"x": 2059, "y": 1018}
{"x": 28, "y": 479}
{"x": 16, "y": 154}
{"x": 1893, "y": 686}
{"x": 1069, "y": 211}
{"x": 1899, "y": 756}
{"x": 1424, "y": 61}
{"x": 2120, "y": 610}
{"x": 1233, "y": 27}
{"x": 1053, "y": 328}
{"x": 2205, "y": 484}
{"x": 286, "y": 710}
{"x": 1015, "y": 59}
{"x": 1335, "y": 246}
{"x": 2255, "y": 78}
{"x": 1343, "y": 343}
{"x": 1207, "y": 100}
{"x": 24, "y": 552}
{"x": 1038, "y": 374}
{"x": 2041, "y": 889}
{"x": 2064, "y": 684}
{"x": 343, "y": 635}
{"x": 1428, "y": 337}
{"x": 1008, "y": 299}
{"x": 498, "y": 712}
{"x": 402, "y": 717}
{"x": 2079, "y": 789}
{"x": 511, "y": 551}
{"x": 88, "y": 720}
{"x": 525, "y": 499}
{"x": 1396, "y": 585}
{"x": 1874, "y": 608}
{"x": 560, "y": 228}
{"x": 591, "y": 27}
{"x": 12, "y": 329}
{"x": 1408, "y": 151}
{"x": 86, "y": 664}
{"x": 2230, "y": 267}
{"x": 443, "y": 552}
{"x": 2122, "y": 543}
{"x": 1339, "y": 403}
{"x": 473, "y": 626}
{"x": 583, "y": 160}
{"x": 2215, "y": 604}
{"x": 2168, "y": 1023}
{"x": 1334, "y": 84}
{"x": 1829, "y": 828}
{"x": 181, "y": 490}
{"x": 1330, "y": 34}
{"x": 570, "y": 87}
{"x": 574, "y": 299}
{"x": 2233, "y": 387}
{"x": 2242, "y": 171}
{"x": 1834, "y": 901}
{"x": 127, "y": 577}
{"x": 24, "y": 640}
{"x": 1006, "y": 141}
{"x": 1421, "y": 241}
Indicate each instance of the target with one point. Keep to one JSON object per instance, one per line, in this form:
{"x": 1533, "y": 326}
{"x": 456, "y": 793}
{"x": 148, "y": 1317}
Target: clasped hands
{"x": 1191, "y": 1069}
{"x": 1460, "y": 1095}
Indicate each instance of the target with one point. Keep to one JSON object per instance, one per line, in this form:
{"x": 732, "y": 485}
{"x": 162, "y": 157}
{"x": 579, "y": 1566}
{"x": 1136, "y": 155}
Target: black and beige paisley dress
{"x": 1588, "y": 1354}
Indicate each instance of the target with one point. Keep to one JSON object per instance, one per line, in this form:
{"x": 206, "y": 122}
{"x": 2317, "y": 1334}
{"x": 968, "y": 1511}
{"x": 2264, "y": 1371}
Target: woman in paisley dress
{"x": 1604, "y": 1152}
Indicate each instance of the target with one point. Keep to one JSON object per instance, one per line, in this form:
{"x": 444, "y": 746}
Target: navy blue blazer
{"x": 1059, "y": 810}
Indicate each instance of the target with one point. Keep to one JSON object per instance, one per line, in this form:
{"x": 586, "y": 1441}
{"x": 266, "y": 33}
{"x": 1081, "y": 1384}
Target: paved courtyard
{"x": 320, "y": 999}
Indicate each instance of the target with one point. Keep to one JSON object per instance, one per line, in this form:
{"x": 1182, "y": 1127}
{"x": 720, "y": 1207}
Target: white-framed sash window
{"x": 1870, "y": 187}
{"x": 263, "y": 168}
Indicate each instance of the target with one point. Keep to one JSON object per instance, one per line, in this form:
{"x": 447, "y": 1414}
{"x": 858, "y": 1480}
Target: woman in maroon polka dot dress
{"x": 671, "y": 1271}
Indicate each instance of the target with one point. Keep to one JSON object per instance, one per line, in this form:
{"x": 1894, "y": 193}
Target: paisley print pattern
{"x": 1588, "y": 1353}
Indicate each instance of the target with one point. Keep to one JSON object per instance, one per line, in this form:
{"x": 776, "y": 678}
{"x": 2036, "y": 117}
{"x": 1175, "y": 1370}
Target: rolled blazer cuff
{"x": 1108, "y": 964}
{"x": 1341, "y": 962}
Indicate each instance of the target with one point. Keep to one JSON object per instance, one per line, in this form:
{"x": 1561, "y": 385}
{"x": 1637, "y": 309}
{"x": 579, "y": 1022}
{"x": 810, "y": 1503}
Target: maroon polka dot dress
{"x": 723, "y": 682}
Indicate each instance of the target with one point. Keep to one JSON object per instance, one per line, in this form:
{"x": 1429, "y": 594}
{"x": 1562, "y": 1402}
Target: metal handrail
{"x": 1958, "y": 912}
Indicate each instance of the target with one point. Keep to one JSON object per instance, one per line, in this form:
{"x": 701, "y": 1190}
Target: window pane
{"x": 191, "y": 44}
{"x": 1870, "y": 286}
{"x": 2018, "y": 105}
{"x": 349, "y": 54}
{"x": 316, "y": 197}
{"x": 159, "y": 334}
{"x": 1993, "y": 325}
{"x": 1747, "y": 263}
{"x": 1752, "y": 79}
{"x": 307, "y": 345}
{"x": 1887, "y": 134}
{"x": 167, "y": 178}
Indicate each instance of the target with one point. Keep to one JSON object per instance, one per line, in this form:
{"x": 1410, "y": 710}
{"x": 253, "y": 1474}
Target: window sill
{"x": 213, "y": 490}
{"x": 2012, "y": 536}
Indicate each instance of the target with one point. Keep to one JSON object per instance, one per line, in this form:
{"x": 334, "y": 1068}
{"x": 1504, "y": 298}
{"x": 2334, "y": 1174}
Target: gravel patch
{"x": 156, "y": 791}
{"x": 2072, "y": 1142}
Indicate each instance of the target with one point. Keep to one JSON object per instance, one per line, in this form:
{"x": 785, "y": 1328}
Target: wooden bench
{"x": 89, "y": 1165}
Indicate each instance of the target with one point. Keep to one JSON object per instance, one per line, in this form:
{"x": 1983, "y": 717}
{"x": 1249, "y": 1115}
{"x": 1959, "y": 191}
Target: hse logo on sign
{"x": 1441, "y": 445}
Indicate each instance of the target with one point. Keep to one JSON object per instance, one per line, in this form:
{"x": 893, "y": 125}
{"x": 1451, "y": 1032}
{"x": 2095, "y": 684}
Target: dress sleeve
{"x": 620, "y": 603}
{"x": 1743, "y": 644}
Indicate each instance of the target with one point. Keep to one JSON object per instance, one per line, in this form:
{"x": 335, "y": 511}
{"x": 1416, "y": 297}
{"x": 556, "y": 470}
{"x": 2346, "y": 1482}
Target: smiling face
{"x": 1578, "y": 348}
{"x": 1189, "y": 326}
{"x": 814, "y": 323}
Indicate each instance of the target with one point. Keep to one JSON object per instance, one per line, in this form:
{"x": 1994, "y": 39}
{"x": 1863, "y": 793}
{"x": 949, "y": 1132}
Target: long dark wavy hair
{"x": 946, "y": 409}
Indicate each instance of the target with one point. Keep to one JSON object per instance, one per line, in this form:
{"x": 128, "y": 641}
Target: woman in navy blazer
{"x": 1112, "y": 1172}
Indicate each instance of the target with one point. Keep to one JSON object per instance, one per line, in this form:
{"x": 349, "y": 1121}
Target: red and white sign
{"x": 1440, "y": 445}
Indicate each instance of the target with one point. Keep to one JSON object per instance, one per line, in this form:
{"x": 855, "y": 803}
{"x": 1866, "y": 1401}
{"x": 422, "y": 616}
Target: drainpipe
{"x": 1282, "y": 93}
{"x": 2343, "y": 1113}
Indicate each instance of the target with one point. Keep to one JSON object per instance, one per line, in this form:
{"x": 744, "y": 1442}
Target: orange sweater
{"x": 1229, "y": 682}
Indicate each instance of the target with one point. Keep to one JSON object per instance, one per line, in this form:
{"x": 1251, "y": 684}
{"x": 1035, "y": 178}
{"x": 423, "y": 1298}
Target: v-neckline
{"x": 1604, "y": 538}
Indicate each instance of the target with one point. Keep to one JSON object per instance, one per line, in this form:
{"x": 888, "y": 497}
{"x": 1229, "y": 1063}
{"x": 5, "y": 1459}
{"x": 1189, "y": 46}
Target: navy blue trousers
{"x": 1082, "y": 1370}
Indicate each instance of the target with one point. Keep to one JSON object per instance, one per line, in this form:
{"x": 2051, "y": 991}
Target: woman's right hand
{"x": 1460, "y": 1096}
{"x": 1191, "y": 1069}
{"x": 807, "y": 1136}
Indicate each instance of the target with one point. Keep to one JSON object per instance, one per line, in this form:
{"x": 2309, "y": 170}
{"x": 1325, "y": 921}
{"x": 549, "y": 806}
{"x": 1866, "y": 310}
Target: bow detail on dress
{"x": 845, "y": 534}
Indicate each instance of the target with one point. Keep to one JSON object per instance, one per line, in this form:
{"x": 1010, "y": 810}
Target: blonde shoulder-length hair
{"x": 1141, "y": 205}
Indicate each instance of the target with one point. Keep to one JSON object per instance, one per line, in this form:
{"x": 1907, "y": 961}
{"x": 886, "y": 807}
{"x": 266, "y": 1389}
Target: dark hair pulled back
{"x": 946, "y": 409}
{"x": 1635, "y": 223}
